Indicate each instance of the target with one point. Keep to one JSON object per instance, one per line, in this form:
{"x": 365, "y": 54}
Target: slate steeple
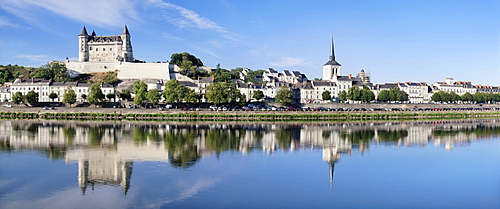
{"x": 84, "y": 32}
{"x": 125, "y": 31}
{"x": 332, "y": 60}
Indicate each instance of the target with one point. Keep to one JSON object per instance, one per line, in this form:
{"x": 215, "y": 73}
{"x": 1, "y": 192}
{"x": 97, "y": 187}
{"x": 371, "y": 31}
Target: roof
{"x": 188, "y": 84}
{"x": 63, "y": 83}
{"x": 324, "y": 83}
{"x": 125, "y": 31}
{"x": 287, "y": 73}
{"x": 332, "y": 62}
{"x": 101, "y": 39}
{"x": 205, "y": 80}
{"x": 271, "y": 70}
{"x": 84, "y": 32}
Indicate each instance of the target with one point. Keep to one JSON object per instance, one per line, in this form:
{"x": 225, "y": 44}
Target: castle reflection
{"x": 105, "y": 151}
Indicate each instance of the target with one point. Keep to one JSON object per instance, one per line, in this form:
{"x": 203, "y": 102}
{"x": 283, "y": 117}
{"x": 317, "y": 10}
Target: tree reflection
{"x": 95, "y": 135}
{"x": 221, "y": 140}
{"x": 284, "y": 137}
{"x": 358, "y": 136}
{"x": 392, "y": 135}
{"x": 182, "y": 147}
{"x": 480, "y": 131}
{"x": 69, "y": 134}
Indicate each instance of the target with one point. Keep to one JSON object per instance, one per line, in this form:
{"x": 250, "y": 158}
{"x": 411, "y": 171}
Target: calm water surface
{"x": 436, "y": 164}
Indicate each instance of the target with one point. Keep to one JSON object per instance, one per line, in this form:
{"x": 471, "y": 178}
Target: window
{"x": 96, "y": 49}
{"x": 103, "y": 49}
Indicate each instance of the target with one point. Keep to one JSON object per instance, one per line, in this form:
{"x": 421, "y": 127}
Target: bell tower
{"x": 331, "y": 68}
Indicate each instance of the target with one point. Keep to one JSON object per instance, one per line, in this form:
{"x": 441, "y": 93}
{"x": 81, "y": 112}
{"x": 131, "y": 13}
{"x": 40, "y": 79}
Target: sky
{"x": 395, "y": 41}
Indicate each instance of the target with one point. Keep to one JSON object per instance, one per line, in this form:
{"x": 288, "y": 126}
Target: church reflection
{"x": 106, "y": 151}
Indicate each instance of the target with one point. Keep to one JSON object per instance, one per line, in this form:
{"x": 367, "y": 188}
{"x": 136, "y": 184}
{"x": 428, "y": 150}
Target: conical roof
{"x": 125, "y": 31}
{"x": 84, "y": 32}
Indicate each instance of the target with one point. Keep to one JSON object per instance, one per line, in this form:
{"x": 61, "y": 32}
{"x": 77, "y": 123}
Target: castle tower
{"x": 127, "y": 45}
{"x": 83, "y": 48}
{"x": 331, "y": 68}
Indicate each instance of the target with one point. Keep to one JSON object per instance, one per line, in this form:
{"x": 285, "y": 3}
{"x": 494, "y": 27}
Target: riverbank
{"x": 66, "y": 113}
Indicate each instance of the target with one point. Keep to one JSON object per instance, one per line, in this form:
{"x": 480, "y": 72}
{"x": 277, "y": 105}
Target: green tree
{"x": 250, "y": 77}
{"x": 110, "y": 96}
{"x": 192, "y": 96}
{"x": 258, "y": 95}
{"x": 95, "y": 94}
{"x": 84, "y": 97}
{"x": 479, "y": 97}
{"x": 395, "y": 94}
{"x": 354, "y": 93}
{"x": 69, "y": 96}
{"x": 17, "y": 98}
{"x": 367, "y": 95}
{"x": 384, "y": 96}
{"x": 441, "y": 96}
{"x": 6, "y": 76}
{"x": 467, "y": 97}
{"x": 177, "y": 59}
{"x": 125, "y": 95}
{"x": 326, "y": 95}
{"x": 153, "y": 96}
{"x": 454, "y": 97}
{"x": 140, "y": 90}
{"x": 219, "y": 93}
{"x": 31, "y": 98}
{"x": 174, "y": 91}
{"x": 284, "y": 96}
{"x": 53, "y": 70}
{"x": 53, "y": 96}
{"x": 343, "y": 95}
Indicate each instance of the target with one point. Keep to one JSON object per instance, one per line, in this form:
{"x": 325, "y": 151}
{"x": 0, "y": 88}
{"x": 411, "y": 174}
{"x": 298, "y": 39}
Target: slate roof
{"x": 188, "y": 84}
{"x": 324, "y": 83}
{"x": 206, "y": 80}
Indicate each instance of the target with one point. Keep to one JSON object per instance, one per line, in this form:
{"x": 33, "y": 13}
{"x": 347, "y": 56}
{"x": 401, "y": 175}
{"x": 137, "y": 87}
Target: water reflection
{"x": 105, "y": 152}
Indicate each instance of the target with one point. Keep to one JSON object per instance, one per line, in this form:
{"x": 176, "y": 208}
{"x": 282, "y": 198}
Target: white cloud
{"x": 285, "y": 61}
{"x": 171, "y": 37}
{"x": 185, "y": 18}
{"x": 114, "y": 13}
{"x": 5, "y": 22}
{"x": 34, "y": 58}
{"x": 205, "y": 50}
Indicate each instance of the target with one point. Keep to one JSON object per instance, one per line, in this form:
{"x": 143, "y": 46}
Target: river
{"x": 124, "y": 164}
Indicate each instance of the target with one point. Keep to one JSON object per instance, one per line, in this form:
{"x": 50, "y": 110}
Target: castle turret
{"x": 331, "y": 68}
{"x": 83, "y": 48}
{"x": 127, "y": 45}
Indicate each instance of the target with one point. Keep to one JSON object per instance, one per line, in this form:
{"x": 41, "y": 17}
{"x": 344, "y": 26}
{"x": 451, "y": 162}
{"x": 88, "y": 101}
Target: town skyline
{"x": 405, "y": 41}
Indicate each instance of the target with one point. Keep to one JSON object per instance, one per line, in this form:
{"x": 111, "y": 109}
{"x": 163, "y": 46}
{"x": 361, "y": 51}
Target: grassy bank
{"x": 245, "y": 117}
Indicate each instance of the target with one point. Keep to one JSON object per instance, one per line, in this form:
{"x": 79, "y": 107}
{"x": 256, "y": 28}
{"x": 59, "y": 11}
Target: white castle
{"x": 114, "y": 53}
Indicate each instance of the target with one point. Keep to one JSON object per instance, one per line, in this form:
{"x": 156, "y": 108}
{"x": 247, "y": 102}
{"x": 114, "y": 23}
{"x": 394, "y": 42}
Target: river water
{"x": 409, "y": 164}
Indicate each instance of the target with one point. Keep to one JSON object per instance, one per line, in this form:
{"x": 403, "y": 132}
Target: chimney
{"x": 349, "y": 76}
{"x": 32, "y": 80}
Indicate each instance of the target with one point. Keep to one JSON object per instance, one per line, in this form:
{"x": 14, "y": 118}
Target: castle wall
{"x": 128, "y": 70}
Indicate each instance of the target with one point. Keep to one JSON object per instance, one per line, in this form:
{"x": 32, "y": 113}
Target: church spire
{"x": 84, "y": 32}
{"x": 332, "y": 60}
{"x": 332, "y": 52}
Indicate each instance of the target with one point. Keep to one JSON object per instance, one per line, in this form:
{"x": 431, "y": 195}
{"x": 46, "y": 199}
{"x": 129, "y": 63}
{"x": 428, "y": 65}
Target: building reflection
{"x": 105, "y": 151}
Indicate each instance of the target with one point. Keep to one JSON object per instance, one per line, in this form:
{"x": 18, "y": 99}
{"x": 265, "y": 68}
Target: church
{"x": 114, "y": 53}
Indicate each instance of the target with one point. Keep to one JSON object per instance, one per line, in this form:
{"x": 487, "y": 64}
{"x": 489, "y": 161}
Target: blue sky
{"x": 396, "y": 41}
